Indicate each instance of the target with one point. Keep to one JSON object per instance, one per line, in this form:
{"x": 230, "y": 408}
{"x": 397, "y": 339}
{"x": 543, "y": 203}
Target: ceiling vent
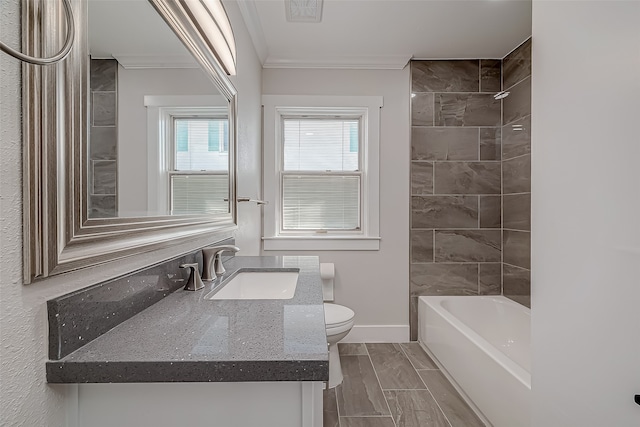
{"x": 303, "y": 10}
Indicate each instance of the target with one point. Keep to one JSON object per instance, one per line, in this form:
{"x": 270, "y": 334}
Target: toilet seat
{"x": 338, "y": 318}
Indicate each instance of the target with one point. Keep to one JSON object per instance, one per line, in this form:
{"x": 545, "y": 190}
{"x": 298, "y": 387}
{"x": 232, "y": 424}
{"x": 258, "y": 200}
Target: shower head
{"x": 501, "y": 95}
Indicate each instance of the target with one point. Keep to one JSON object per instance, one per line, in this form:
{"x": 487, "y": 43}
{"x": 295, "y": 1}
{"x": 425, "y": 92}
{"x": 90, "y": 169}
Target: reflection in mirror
{"x": 136, "y": 187}
{"x": 158, "y": 127}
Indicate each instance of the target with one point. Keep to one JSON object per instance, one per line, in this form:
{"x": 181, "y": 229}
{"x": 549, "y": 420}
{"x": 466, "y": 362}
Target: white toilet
{"x": 339, "y": 321}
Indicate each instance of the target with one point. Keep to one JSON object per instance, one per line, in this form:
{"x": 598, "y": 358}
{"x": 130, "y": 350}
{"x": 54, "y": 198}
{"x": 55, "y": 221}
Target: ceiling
{"x": 135, "y": 34}
{"x": 386, "y": 33}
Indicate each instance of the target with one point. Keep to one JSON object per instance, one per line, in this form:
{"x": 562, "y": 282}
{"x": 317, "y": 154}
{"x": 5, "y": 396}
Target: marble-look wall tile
{"x": 103, "y": 78}
{"x": 415, "y": 408}
{"x": 103, "y": 75}
{"x": 444, "y": 212}
{"x": 104, "y": 176}
{"x": 490, "y": 143}
{"x": 444, "y": 144}
{"x": 517, "y": 65}
{"x": 102, "y": 206}
{"x": 516, "y": 175}
{"x": 421, "y": 245}
{"x": 467, "y": 256}
{"x": 518, "y": 104}
{"x": 516, "y": 138}
{"x": 421, "y": 178}
{"x": 517, "y": 248}
{"x": 467, "y": 178}
{"x": 517, "y": 284}
{"x": 466, "y": 109}
{"x": 443, "y": 279}
{"x": 413, "y": 318}
{"x": 422, "y": 109}
{"x": 490, "y": 212}
{"x": 104, "y": 108}
{"x": 490, "y": 279}
{"x": 517, "y": 211}
{"x": 445, "y": 76}
{"x": 103, "y": 143}
{"x": 468, "y": 246}
{"x": 521, "y": 299}
{"x": 490, "y": 75}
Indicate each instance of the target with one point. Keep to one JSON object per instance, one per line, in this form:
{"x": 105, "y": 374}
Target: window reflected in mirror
{"x": 199, "y": 179}
{"x": 158, "y": 137}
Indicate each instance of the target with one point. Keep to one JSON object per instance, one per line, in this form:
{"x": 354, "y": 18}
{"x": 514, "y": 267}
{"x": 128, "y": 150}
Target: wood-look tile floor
{"x": 393, "y": 385}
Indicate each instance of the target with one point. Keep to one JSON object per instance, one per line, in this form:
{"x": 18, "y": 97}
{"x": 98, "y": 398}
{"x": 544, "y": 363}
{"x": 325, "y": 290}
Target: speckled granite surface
{"x": 185, "y": 337}
{"x": 81, "y": 316}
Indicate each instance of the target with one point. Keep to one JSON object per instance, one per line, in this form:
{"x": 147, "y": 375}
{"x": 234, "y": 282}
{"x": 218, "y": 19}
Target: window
{"x": 216, "y": 132}
{"x": 321, "y": 173}
{"x": 198, "y": 177}
{"x": 187, "y": 154}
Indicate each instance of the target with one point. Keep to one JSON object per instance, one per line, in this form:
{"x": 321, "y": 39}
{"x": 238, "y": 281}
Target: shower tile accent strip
{"x": 459, "y": 204}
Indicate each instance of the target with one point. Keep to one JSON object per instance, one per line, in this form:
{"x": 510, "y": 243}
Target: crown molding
{"x": 249, "y": 13}
{"x": 136, "y": 62}
{"x": 395, "y": 62}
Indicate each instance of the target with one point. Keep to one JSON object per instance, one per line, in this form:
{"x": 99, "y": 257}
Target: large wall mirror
{"x": 130, "y": 142}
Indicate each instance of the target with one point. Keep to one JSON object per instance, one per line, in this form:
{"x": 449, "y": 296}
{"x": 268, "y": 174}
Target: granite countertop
{"x": 187, "y": 338}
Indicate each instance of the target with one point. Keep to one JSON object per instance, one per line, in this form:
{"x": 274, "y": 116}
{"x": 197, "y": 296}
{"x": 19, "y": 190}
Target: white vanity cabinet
{"x": 190, "y": 360}
{"x": 249, "y": 404}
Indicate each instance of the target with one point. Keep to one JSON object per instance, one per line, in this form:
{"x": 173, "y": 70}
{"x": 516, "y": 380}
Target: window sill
{"x": 333, "y": 243}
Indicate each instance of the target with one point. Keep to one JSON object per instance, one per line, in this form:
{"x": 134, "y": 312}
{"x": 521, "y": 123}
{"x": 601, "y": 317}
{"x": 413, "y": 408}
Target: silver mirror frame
{"x": 58, "y": 236}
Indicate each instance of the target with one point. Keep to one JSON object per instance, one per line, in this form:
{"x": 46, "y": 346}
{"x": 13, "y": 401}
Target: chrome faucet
{"x": 212, "y": 261}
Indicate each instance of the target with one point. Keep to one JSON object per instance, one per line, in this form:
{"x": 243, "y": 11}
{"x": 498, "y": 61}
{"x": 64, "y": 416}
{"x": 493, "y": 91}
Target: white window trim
{"x": 160, "y": 110}
{"x": 276, "y": 106}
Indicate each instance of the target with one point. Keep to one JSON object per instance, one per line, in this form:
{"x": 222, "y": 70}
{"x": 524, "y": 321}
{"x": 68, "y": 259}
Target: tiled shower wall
{"x": 516, "y": 175}
{"x": 456, "y": 238}
{"x": 470, "y": 178}
{"x": 102, "y": 201}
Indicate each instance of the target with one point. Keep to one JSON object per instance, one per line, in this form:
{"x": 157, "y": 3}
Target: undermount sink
{"x": 258, "y": 285}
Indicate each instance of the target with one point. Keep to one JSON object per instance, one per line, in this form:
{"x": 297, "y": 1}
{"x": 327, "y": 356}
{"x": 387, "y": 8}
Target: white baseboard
{"x": 377, "y": 333}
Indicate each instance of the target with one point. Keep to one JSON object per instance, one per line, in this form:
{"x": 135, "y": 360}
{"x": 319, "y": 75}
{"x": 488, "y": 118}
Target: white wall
{"x": 248, "y": 81}
{"x": 25, "y": 397}
{"x": 585, "y": 213}
{"x": 375, "y": 284}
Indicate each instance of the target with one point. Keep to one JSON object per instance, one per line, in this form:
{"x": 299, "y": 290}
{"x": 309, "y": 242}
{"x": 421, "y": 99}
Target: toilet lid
{"x": 335, "y": 314}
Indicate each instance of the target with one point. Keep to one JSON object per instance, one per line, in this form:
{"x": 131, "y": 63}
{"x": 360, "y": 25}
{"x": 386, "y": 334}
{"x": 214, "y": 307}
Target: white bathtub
{"x": 483, "y": 343}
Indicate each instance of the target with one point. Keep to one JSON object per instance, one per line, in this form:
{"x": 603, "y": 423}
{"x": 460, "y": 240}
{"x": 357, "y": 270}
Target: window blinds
{"x": 199, "y": 194}
{"x": 321, "y": 177}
